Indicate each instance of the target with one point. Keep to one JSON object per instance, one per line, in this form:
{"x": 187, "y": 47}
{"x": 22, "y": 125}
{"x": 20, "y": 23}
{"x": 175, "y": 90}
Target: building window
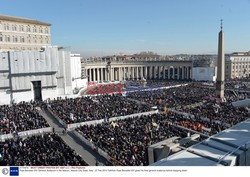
{"x": 47, "y": 40}
{"x": 14, "y": 28}
{"x": 22, "y": 39}
{"x": 28, "y": 28}
{"x": 21, "y": 28}
{"x": 29, "y": 37}
{"x": 34, "y": 29}
{"x": 46, "y": 30}
{"x": 6, "y": 27}
{"x": 40, "y": 30}
{"x": 7, "y": 38}
{"x": 35, "y": 39}
{"x": 1, "y": 38}
{"x": 15, "y": 39}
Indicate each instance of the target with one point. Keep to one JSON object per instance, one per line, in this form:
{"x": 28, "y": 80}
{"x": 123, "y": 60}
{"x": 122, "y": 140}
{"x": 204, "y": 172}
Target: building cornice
{"x": 22, "y": 20}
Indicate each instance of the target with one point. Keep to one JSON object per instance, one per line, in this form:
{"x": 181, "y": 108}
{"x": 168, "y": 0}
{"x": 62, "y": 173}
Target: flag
{"x": 116, "y": 162}
{"x": 154, "y": 124}
{"x": 114, "y": 124}
{"x": 71, "y": 116}
{"x": 165, "y": 109}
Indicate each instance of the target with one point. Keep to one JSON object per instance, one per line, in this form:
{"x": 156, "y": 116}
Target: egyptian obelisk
{"x": 220, "y": 66}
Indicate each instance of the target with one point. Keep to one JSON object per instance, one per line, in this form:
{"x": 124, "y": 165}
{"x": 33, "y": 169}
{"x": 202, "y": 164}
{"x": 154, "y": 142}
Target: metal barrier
{"x": 91, "y": 145}
{"x": 26, "y": 133}
{"x": 95, "y": 122}
{"x": 56, "y": 117}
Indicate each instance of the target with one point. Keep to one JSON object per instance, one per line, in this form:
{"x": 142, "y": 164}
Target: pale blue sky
{"x": 101, "y": 27}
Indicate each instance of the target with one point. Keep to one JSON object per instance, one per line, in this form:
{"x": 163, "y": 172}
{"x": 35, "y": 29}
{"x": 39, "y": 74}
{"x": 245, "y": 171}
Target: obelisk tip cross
{"x": 221, "y": 24}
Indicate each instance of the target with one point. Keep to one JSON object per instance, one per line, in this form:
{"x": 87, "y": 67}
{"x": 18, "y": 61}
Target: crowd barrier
{"x": 26, "y": 133}
{"x": 5, "y": 137}
{"x": 151, "y": 89}
{"x": 191, "y": 116}
{"x": 91, "y": 145}
{"x": 181, "y": 113}
{"x": 94, "y": 148}
{"x": 56, "y": 117}
{"x": 95, "y": 122}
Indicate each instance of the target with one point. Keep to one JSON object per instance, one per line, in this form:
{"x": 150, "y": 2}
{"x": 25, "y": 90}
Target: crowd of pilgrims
{"x": 173, "y": 97}
{"x": 130, "y": 86}
{"x": 206, "y": 112}
{"x": 185, "y": 95}
{"x": 73, "y": 110}
{"x": 127, "y": 141}
{"x": 20, "y": 117}
{"x": 40, "y": 150}
{"x": 218, "y": 115}
{"x": 238, "y": 84}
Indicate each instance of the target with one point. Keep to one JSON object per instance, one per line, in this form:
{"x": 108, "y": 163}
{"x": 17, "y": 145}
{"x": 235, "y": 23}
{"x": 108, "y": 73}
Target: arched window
{"x": 22, "y": 39}
{"x": 7, "y": 27}
{"x": 7, "y": 38}
{"x": 34, "y": 29}
{"x": 14, "y": 27}
{"x": 28, "y": 28}
{"x": 46, "y": 30}
{"x": 41, "y": 29}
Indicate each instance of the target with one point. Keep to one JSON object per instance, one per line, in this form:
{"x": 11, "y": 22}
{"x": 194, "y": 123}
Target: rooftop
{"x": 226, "y": 148}
{"x": 22, "y": 20}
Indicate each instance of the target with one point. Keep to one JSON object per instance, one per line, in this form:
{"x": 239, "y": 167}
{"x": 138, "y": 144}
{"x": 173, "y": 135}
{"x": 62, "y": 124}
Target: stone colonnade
{"x": 125, "y": 72}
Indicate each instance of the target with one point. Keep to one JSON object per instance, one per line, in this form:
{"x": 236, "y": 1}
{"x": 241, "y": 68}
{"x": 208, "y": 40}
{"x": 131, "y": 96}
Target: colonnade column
{"x": 168, "y": 72}
{"x": 159, "y": 72}
{"x": 178, "y": 73}
{"x": 94, "y": 75}
{"x": 137, "y": 73}
{"x": 164, "y": 72}
{"x": 141, "y": 72}
{"x": 124, "y": 70}
{"x": 98, "y": 74}
{"x": 91, "y": 75}
{"x": 133, "y": 73}
{"x": 190, "y": 72}
{"x": 155, "y": 72}
{"x": 102, "y": 75}
{"x": 120, "y": 74}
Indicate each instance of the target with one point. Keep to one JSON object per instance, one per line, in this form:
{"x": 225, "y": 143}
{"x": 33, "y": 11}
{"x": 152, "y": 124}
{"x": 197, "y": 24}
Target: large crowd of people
{"x": 20, "y": 117}
{"x": 173, "y": 97}
{"x": 126, "y": 141}
{"x": 238, "y": 84}
{"x": 94, "y": 108}
{"x": 217, "y": 114}
{"x": 42, "y": 150}
{"x": 192, "y": 93}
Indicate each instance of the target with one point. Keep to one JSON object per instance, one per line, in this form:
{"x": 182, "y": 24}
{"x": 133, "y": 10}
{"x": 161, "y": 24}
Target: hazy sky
{"x": 101, "y": 27}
